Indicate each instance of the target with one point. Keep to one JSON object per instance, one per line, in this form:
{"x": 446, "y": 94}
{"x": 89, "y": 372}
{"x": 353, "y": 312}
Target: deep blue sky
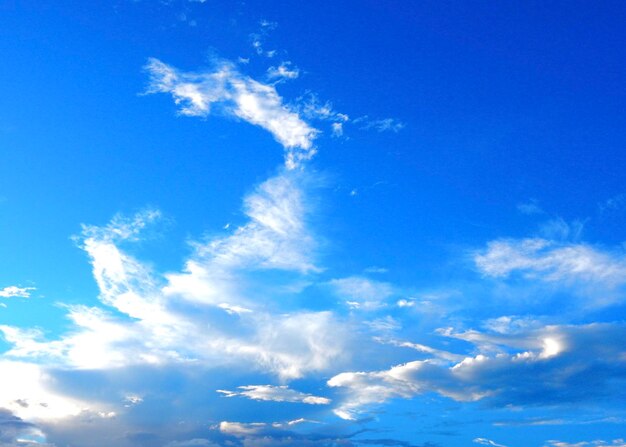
{"x": 460, "y": 194}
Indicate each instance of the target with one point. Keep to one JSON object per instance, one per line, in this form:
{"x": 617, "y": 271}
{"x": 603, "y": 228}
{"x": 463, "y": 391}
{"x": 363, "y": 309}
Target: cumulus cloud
{"x": 275, "y": 393}
{"x": 237, "y": 95}
{"x": 16, "y": 292}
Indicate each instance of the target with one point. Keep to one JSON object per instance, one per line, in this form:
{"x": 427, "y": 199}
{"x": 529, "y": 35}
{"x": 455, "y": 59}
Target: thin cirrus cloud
{"x": 597, "y": 443}
{"x": 280, "y": 393}
{"x": 593, "y": 270}
{"x": 237, "y": 95}
{"x": 359, "y": 292}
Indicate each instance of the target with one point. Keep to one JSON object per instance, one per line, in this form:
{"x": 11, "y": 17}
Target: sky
{"x": 316, "y": 224}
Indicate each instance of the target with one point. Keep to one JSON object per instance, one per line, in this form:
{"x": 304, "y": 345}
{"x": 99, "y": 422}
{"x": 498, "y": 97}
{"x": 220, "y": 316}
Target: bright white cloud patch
{"x": 240, "y": 96}
{"x": 28, "y": 392}
{"x": 16, "y": 292}
{"x": 158, "y": 321}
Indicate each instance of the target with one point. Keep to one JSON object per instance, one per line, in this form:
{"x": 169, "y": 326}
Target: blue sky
{"x": 251, "y": 224}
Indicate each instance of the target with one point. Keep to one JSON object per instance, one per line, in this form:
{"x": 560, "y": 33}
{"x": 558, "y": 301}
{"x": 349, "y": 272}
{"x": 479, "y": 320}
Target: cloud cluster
{"x": 563, "y": 364}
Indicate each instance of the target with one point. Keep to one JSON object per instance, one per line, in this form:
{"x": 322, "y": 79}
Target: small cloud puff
{"x": 16, "y": 292}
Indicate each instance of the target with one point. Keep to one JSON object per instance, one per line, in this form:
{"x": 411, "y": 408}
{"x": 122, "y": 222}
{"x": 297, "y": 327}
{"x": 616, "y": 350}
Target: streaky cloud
{"x": 240, "y": 96}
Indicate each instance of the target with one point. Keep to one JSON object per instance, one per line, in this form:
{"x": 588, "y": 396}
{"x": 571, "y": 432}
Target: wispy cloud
{"x": 237, "y": 95}
{"x": 552, "y": 261}
{"x": 380, "y": 125}
{"x": 485, "y": 441}
{"x": 275, "y": 393}
{"x": 283, "y": 71}
{"x": 597, "y": 443}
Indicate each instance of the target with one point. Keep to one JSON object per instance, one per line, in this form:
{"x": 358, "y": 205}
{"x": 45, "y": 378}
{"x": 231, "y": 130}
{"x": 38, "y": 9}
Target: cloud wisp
{"x": 276, "y": 394}
{"x": 226, "y": 89}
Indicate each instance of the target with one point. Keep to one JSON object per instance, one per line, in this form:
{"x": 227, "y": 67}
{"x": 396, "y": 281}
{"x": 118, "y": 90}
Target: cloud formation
{"x": 16, "y": 292}
{"x": 275, "y": 393}
{"x": 545, "y": 366}
{"x": 236, "y": 95}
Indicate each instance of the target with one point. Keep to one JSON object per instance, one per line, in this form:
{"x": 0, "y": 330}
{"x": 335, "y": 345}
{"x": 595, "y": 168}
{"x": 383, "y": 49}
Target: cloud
{"x": 16, "y": 292}
{"x": 14, "y": 432}
{"x": 380, "y": 125}
{"x": 27, "y": 391}
{"x": 553, "y": 262}
{"x": 276, "y": 394}
{"x": 597, "y": 443}
{"x": 236, "y": 95}
{"x": 485, "y": 441}
{"x": 362, "y": 293}
{"x": 283, "y": 72}
{"x": 552, "y": 365}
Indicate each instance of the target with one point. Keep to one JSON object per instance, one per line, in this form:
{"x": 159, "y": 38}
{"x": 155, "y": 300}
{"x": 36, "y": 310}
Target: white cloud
{"x": 550, "y": 365}
{"x": 242, "y": 428}
{"x": 237, "y": 95}
{"x": 380, "y": 125}
{"x": 163, "y": 319}
{"x": 551, "y": 261}
{"x": 337, "y": 129}
{"x": 283, "y": 71}
{"x": 16, "y": 292}
{"x": 485, "y": 441}
{"x": 597, "y": 443}
{"x": 275, "y": 393}
{"x": 362, "y": 293}
{"x": 27, "y": 390}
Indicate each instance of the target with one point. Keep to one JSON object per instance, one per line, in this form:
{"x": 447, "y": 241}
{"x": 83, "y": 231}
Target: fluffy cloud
{"x": 597, "y": 443}
{"x": 16, "y": 292}
{"x": 276, "y": 394}
{"x": 237, "y": 95}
